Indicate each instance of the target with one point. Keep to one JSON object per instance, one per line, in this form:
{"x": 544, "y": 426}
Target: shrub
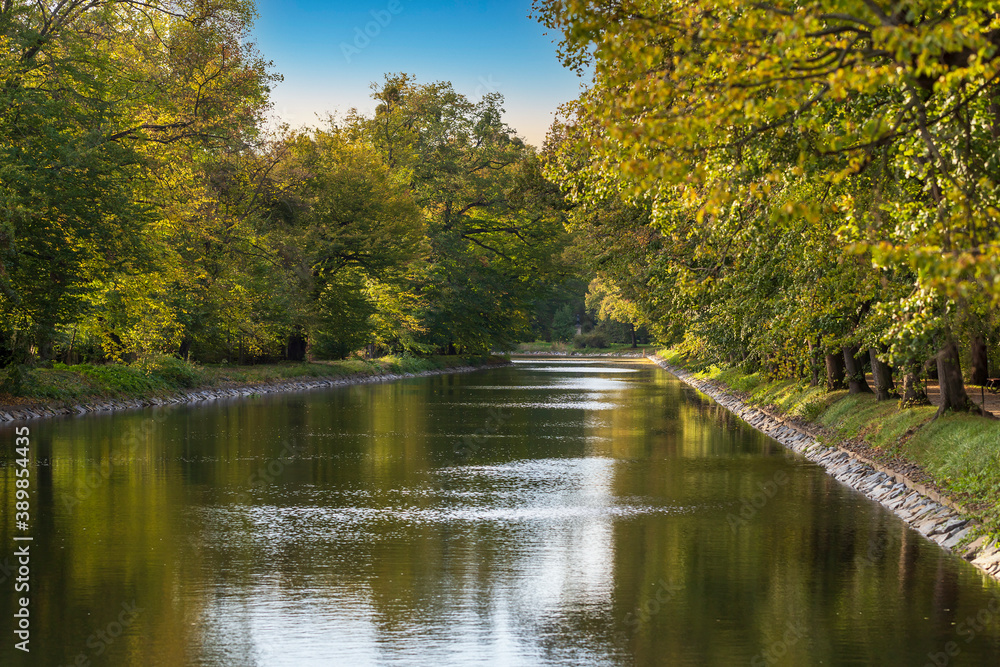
{"x": 592, "y": 339}
{"x": 173, "y": 371}
{"x": 747, "y": 383}
{"x": 118, "y": 379}
{"x": 13, "y": 381}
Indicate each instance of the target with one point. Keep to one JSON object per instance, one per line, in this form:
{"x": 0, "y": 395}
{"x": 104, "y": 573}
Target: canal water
{"x": 556, "y": 512}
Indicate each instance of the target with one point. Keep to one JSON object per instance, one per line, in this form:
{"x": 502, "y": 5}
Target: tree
{"x": 352, "y": 238}
{"x": 494, "y": 228}
{"x": 98, "y": 100}
{"x": 611, "y": 306}
{"x": 710, "y": 111}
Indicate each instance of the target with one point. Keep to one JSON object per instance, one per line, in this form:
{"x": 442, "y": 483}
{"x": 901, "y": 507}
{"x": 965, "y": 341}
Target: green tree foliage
{"x": 564, "y": 323}
{"x": 144, "y": 209}
{"x": 113, "y": 113}
{"x": 493, "y": 223}
{"x": 822, "y": 175}
{"x": 354, "y": 236}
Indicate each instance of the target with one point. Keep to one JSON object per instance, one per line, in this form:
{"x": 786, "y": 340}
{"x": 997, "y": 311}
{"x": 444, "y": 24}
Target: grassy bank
{"x": 958, "y": 453}
{"x": 82, "y": 383}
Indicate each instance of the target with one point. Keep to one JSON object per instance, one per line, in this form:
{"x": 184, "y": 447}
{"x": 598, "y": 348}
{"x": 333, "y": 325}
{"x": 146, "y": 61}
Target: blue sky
{"x": 329, "y": 53}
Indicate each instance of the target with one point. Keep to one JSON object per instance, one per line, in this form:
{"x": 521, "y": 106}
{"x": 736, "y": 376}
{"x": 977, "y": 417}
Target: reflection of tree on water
{"x": 374, "y": 543}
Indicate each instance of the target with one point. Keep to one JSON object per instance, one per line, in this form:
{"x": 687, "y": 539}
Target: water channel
{"x": 556, "y": 512}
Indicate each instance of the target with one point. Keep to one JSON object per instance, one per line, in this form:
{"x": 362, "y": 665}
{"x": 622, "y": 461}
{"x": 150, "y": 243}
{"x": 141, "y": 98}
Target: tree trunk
{"x": 7, "y": 349}
{"x": 995, "y": 110}
{"x": 632, "y": 329}
{"x": 770, "y": 367}
{"x": 813, "y": 364}
{"x": 185, "y": 349}
{"x": 980, "y": 360}
{"x": 296, "y": 350}
{"x": 834, "y": 372}
{"x": 914, "y": 392}
{"x": 45, "y": 337}
{"x": 72, "y": 342}
{"x": 855, "y": 371}
{"x": 885, "y": 388}
{"x": 953, "y": 396}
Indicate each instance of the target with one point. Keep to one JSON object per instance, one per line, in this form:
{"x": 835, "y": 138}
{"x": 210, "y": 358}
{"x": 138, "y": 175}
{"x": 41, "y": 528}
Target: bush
{"x": 174, "y": 372}
{"x": 117, "y": 379}
{"x": 592, "y": 339}
{"x": 614, "y": 331}
{"x": 408, "y": 364}
{"x": 13, "y": 381}
{"x": 746, "y": 383}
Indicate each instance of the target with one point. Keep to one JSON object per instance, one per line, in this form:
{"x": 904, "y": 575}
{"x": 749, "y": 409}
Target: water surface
{"x": 558, "y": 512}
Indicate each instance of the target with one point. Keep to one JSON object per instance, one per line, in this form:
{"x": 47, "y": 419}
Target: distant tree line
{"x": 145, "y": 209}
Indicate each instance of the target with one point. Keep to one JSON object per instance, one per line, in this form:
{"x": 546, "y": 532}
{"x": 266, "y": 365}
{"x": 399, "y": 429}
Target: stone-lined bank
{"x": 201, "y": 395}
{"x": 933, "y": 516}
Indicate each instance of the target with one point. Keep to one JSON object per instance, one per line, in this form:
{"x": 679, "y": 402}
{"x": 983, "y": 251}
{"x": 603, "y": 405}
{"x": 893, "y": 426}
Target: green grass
{"x": 164, "y": 375}
{"x": 221, "y": 375}
{"x": 964, "y": 452}
{"x": 960, "y": 452}
{"x": 544, "y": 346}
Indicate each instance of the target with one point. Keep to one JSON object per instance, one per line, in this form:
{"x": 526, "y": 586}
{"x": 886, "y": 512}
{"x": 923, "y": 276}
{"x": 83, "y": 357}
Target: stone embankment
{"x": 933, "y": 516}
{"x": 18, "y": 413}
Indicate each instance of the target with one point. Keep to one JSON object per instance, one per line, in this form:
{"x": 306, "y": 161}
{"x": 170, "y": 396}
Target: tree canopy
{"x": 148, "y": 208}
{"x": 824, "y": 170}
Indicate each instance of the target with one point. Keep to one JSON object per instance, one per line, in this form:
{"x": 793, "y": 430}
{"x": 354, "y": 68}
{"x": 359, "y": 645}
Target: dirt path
{"x": 977, "y": 394}
{"x": 987, "y": 399}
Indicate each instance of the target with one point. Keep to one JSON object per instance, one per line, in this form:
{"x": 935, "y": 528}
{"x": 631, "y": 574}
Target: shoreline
{"x": 629, "y": 354}
{"x": 41, "y": 410}
{"x": 929, "y": 512}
